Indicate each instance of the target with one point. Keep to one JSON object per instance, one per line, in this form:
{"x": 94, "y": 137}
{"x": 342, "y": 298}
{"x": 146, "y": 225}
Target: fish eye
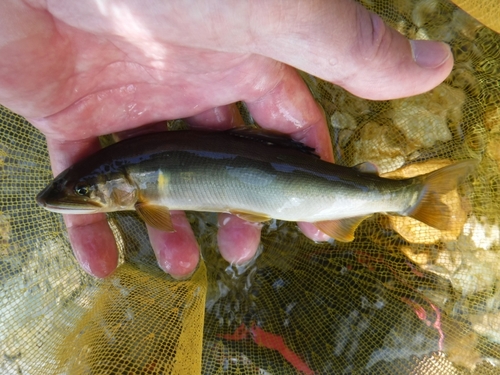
{"x": 82, "y": 189}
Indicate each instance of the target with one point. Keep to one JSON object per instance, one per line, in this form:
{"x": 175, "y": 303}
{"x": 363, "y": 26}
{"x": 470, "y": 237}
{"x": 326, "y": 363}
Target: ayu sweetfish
{"x": 250, "y": 173}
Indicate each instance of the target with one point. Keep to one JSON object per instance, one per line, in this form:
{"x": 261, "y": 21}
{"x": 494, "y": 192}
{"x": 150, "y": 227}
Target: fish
{"x": 254, "y": 174}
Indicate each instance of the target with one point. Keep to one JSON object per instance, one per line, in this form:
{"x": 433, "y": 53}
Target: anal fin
{"x": 155, "y": 216}
{"x": 342, "y": 230}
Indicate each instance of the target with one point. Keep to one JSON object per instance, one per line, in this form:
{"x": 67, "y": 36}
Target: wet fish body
{"x": 255, "y": 176}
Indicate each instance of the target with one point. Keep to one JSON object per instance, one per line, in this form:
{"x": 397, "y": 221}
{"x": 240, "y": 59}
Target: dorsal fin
{"x": 271, "y": 138}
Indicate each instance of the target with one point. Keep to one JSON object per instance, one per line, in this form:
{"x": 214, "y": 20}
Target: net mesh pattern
{"x": 402, "y": 298}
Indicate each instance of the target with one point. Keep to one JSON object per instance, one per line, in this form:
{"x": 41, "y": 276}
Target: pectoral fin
{"x": 250, "y": 216}
{"x": 155, "y": 216}
{"x": 341, "y": 230}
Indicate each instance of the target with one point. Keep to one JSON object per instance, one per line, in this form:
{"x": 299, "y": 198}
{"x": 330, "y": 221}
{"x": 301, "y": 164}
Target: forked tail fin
{"x": 429, "y": 208}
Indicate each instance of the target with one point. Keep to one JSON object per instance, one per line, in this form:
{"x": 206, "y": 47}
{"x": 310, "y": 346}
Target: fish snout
{"x": 41, "y": 197}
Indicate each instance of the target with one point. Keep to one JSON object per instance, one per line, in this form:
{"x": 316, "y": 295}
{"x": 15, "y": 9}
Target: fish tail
{"x": 429, "y": 208}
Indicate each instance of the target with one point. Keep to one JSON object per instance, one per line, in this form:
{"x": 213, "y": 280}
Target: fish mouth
{"x": 69, "y": 210}
{"x": 68, "y": 205}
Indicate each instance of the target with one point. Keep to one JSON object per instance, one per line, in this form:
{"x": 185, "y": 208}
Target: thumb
{"x": 342, "y": 42}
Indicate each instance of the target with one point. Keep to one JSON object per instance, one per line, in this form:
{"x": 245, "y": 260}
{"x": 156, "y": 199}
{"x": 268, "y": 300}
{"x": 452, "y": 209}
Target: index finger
{"x": 290, "y": 108}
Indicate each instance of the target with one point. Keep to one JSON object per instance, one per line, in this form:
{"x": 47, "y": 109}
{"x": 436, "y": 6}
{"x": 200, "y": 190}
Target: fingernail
{"x": 429, "y": 54}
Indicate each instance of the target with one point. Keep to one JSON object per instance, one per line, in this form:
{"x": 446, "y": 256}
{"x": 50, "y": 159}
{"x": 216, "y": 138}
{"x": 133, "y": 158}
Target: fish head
{"x": 70, "y": 193}
{"x": 83, "y": 190}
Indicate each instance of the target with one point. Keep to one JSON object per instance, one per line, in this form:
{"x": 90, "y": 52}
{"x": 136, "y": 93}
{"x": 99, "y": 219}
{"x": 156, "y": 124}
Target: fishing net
{"x": 402, "y": 298}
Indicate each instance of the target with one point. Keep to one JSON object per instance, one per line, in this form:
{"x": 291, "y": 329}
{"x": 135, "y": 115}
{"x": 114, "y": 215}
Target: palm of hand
{"x": 84, "y": 85}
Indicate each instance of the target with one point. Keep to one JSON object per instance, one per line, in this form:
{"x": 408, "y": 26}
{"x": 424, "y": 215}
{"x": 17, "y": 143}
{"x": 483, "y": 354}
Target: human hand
{"x": 80, "y": 70}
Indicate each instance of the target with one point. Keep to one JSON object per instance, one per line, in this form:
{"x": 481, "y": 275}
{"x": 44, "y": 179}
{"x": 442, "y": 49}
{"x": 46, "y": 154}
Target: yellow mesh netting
{"x": 402, "y": 298}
